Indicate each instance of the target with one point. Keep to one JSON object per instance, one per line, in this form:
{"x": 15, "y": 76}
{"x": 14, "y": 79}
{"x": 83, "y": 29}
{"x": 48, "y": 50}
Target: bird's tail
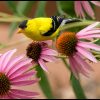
{"x": 69, "y": 20}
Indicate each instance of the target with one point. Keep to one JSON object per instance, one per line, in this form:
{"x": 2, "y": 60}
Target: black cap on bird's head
{"x": 22, "y": 26}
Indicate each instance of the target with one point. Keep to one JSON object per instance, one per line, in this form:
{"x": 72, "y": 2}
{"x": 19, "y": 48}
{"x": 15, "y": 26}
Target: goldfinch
{"x": 43, "y": 28}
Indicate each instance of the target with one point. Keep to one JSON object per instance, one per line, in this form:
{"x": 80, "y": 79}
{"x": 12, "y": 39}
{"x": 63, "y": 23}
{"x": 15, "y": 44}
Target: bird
{"x": 43, "y": 28}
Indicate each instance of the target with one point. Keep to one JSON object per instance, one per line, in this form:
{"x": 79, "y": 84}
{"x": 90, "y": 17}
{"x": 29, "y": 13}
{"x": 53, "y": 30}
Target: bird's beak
{"x": 20, "y": 31}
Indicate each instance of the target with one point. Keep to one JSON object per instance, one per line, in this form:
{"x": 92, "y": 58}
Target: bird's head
{"x": 22, "y": 26}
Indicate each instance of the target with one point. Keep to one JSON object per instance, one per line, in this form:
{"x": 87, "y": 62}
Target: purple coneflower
{"x": 13, "y": 74}
{"x": 81, "y": 6}
{"x": 40, "y": 53}
{"x": 71, "y": 45}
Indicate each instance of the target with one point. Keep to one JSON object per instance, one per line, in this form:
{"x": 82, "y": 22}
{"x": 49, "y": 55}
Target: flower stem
{"x": 44, "y": 84}
{"x": 77, "y": 88}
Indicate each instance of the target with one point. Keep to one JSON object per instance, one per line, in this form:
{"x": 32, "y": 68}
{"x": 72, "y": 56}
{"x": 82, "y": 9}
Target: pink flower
{"x": 41, "y": 53}
{"x": 71, "y": 45}
{"x": 13, "y": 74}
{"x": 81, "y": 6}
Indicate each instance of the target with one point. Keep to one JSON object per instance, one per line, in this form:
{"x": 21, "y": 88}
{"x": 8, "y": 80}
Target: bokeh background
{"x": 59, "y": 76}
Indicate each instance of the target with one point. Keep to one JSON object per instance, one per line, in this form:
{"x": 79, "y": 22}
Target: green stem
{"x": 12, "y": 19}
{"x": 76, "y": 24}
{"x": 44, "y": 84}
{"x": 64, "y": 61}
{"x": 61, "y": 12}
{"x": 77, "y": 88}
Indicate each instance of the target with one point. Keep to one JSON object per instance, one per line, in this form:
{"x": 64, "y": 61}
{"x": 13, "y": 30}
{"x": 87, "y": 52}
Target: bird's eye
{"x": 23, "y": 24}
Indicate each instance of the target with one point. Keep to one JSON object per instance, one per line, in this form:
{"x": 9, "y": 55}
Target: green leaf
{"x": 97, "y": 41}
{"x": 12, "y": 6}
{"x": 2, "y": 45}
{"x": 44, "y": 84}
{"x": 24, "y": 7}
{"x": 40, "y": 9}
{"x": 12, "y": 29}
{"x": 77, "y": 88}
{"x": 60, "y": 10}
{"x": 68, "y": 7}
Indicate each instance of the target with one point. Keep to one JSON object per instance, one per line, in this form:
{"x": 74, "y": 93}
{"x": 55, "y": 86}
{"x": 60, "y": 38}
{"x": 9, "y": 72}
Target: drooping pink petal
{"x": 49, "y": 52}
{"x": 40, "y": 61}
{"x": 23, "y": 92}
{"x": 73, "y": 68}
{"x": 48, "y": 58}
{"x": 79, "y": 9}
{"x": 7, "y": 58}
{"x": 90, "y": 27}
{"x": 97, "y": 3}
{"x": 16, "y": 96}
{"x": 4, "y": 57}
{"x": 11, "y": 96}
{"x": 5, "y": 97}
{"x": 90, "y": 32}
{"x": 86, "y": 53}
{"x": 88, "y": 8}
{"x": 89, "y": 36}
{"x": 19, "y": 65}
{"x": 88, "y": 45}
{"x": 49, "y": 42}
{"x": 84, "y": 63}
{"x": 12, "y": 63}
{"x": 79, "y": 66}
{"x": 23, "y": 83}
{"x": 20, "y": 71}
{"x": 23, "y": 76}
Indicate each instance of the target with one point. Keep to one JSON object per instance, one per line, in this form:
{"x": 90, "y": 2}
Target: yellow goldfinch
{"x": 43, "y": 28}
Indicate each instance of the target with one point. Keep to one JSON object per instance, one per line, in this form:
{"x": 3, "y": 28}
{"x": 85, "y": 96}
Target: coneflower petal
{"x": 48, "y": 58}
{"x": 49, "y": 52}
{"x": 88, "y": 45}
{"x": 86, "y": 53}
{"x": 11, "y": 96}
{"x": 4, "y": 58}
{"x": 43, "y": 65}
{"x": 19, "y": 65}
{"x": 89, "y": 36}
{"x": 78, "y": 9}
{"x": 5, "y": 97}
{"x": 87, "y": 28}
{"x": 23, "y": 83}
{"x": 23, "y": 76}
{"x": 84, "y": 63}
{"x": 97, "y": 3}
{"x": 16, "y": 96}
{"x": 49, "y": 42}
{"x": 79, "y": 66}
{"x": 80, "y": 61}
{"x": 7, "y": 58}
{"x": 73, "y": 68}
{"x": 23, "y": 92}
{"x": 88, "y": 8}
{"x": 12, "y": 63}
{"x": 20, "y": 71}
